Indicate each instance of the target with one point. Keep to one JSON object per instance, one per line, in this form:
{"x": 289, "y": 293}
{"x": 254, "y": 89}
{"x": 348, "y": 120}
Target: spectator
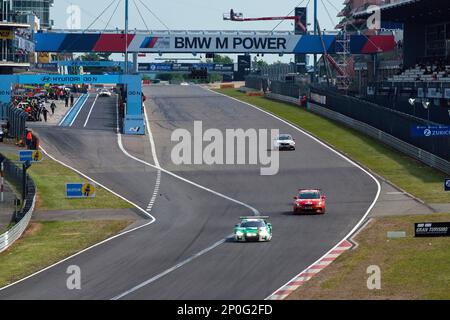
{"x": 53, "y": 107}
{"x": 29, "y": 139}
{"x": 66, "y": 99}
{"x": 45, "y": 113}
{"x": 72, "y": 98}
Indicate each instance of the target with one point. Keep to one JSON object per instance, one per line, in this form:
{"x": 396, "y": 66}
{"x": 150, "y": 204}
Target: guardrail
{"x": 17, "y": 120}
{"x": 23, "y": 217}
{"x": 417, "y": 153}
{"x": 279, "y": 97}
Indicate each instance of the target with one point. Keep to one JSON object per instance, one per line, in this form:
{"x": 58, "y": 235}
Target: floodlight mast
{"x": 126, "y": 37}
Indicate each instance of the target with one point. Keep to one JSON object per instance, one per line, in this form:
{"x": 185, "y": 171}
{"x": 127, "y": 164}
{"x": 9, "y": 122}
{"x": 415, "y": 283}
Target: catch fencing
{"x": 17, "y": 120}
{"x": 14, "y": 175}
{"x": 389, "y": 126}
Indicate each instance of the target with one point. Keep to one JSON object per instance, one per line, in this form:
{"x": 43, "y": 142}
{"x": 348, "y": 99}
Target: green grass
{"x": 51, "y": 178}
{"x": 411, "y": 268}
{"x": 48, "y": 242}
{"x": 410, "y": 175}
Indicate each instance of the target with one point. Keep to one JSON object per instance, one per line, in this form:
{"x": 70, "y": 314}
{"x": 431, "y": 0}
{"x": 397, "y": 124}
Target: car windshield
{"x": 253, "y": 224}
{"x": 285, "y": 138}
{"x": 309, "y": 195}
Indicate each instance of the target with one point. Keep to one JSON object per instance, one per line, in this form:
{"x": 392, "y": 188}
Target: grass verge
{"x": 411, "y": 268}
{"x": 51, "y": 178}
{"x": 410, "y": 175}
{"x": 45, "y": 243}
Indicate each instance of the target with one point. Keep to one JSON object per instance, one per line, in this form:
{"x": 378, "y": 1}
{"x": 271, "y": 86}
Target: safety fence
{"x": 435, "y": 113}
{"x": 398, "y": 144}
{"x": 17, "y": 119}
{"x": 14, "y": 175}
{"x": 394, "y": 123}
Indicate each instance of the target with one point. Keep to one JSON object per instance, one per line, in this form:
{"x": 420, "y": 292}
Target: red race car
{"x": 310, "y": 201}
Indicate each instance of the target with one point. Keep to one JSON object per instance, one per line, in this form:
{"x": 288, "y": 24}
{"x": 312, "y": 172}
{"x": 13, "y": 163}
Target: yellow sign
{"x": 6, "y": 34}
{"x": 43, "y": 57}
{"x": 37, "y": 156}
{"x": 88, "y": 190}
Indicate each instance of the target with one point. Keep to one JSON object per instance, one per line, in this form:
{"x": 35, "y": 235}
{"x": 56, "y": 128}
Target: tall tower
{"x": 300, "y": 59}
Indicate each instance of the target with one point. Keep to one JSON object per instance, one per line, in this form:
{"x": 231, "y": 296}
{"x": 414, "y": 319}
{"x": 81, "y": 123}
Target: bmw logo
{"x": 427, "y": 133}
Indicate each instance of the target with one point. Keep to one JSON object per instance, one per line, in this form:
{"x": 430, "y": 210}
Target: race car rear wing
{"x": 255, "y": 217}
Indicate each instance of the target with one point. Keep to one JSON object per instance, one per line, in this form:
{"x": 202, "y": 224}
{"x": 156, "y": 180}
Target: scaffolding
{"x": 343, "y": 55}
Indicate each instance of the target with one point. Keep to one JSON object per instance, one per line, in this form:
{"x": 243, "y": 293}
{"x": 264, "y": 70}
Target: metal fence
{"x": 17, "y": 120}
{"x": 285, "y": 89}
{"x": 14, "y": 175}
{"x": 434, "y": 113}
{"x": 417, "y": 153}
{"x": 394, "y": 123}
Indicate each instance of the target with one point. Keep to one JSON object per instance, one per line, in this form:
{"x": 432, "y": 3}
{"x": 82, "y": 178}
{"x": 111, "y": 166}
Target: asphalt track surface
{"x": 189, "y": 219}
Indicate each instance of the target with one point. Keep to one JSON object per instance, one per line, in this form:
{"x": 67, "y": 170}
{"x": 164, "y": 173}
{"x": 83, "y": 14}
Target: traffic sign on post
{"x": 80, "y": 190}
{"x": 33, "y": 156}
{"x": 447, "y": 185}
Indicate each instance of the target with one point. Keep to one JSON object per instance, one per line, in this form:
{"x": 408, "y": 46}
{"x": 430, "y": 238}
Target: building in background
{"x": 41, "y": 8}
{"x": 19, "y": 20}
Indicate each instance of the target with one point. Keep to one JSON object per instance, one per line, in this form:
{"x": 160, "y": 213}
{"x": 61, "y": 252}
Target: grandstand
{"x": 431, "y": 73}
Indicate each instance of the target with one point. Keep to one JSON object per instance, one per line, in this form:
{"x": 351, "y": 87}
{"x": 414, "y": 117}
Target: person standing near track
{"x": 66, "y": 99}
{"x": 72, "y": 98}
{"x": 45, "y": 113}
{"x": 53, "y": 107}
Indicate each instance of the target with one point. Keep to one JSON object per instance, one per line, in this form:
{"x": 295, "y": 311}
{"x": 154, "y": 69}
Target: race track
{"x": 189, "y": 220}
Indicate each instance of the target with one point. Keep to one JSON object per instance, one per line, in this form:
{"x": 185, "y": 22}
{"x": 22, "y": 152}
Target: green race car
{"x": 253, "y": 229}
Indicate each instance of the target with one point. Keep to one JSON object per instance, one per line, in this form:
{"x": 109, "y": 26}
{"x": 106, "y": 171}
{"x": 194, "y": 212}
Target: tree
{"x": 91, "y": 56}
{"x": 222, "y": 59}
{"x": 104, "y": 56}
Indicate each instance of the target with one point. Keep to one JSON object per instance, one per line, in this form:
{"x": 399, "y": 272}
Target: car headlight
{"x": 319, "y": 204}
{"x": 239, "y": 233}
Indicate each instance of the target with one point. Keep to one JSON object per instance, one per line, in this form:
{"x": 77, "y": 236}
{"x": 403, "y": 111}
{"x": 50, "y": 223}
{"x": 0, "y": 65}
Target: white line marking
{"x": 68, "y": 111}
{"x": 159, "y": 276}
{"x": 155, "y": 159}
{"x": 90, "y": 112}
{"x": 79, "y": 110}
{"x": 98, "y": 244}
{"x": 181, "y": 264}
{"x": 336, "y": 152}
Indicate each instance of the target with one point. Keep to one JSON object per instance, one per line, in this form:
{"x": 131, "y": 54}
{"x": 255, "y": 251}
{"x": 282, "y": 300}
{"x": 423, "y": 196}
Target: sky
{"x": 193, "y": 15}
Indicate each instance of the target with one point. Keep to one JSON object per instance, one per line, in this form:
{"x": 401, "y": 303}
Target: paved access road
{"x": 184, "y": 254}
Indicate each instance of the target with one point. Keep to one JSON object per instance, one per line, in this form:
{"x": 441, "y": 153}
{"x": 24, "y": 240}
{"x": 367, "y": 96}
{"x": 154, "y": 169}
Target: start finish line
{"x": 133, "y": 122}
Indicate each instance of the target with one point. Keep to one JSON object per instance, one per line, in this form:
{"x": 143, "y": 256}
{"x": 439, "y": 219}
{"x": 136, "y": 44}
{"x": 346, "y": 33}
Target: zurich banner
{"x": 430, "y": 131}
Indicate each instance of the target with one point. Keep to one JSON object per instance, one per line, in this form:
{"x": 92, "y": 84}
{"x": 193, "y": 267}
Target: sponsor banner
{"x": 80, "y": 190}
{"x": 6, "y": 34}
{"x": 447, "y": 185}
{"x": 447, "y": 93}
{"x": 69, "y": 79}
{"x": 46, "y": 66}
{"x": 435, "y": 229}
{"x": 32, "y": 156}
{"x": 43, "y": 57}
{"x": 434, "y": 93}
{"x": 184, "y": 67}
{"x": 209, "y": 42}
{"x": 318, "y": 98}
{"x": 75, "y": 63}
{"x": 430, "y": 131}
{"x": 420, "y": 93}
